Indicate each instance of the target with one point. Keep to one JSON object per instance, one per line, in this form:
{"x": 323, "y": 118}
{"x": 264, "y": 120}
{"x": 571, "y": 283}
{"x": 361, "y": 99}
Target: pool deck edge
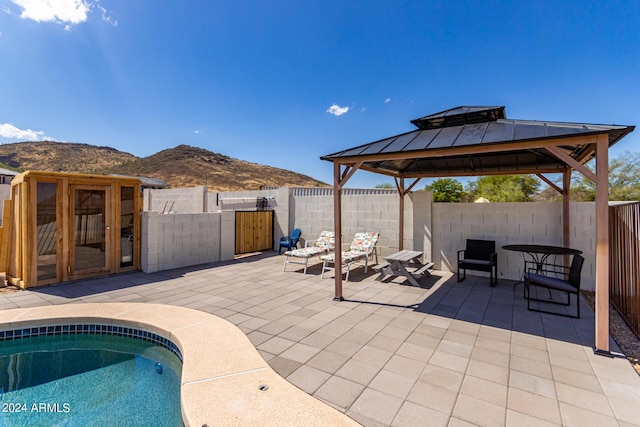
{"x": 224, "y": 380}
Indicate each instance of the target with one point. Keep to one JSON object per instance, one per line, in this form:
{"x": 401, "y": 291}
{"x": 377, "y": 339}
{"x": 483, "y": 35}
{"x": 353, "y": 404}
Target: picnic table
{"x": 399, "y": 263}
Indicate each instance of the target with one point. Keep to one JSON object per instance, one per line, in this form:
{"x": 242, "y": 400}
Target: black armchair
{"x": 555, "y": 277}
{"x": 479, "y": 255}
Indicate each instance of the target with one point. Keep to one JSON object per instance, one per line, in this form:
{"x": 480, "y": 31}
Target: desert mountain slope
{"x": 181, "y": 166}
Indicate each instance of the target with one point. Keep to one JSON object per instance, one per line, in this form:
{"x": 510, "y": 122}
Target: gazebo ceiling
{"x": 477, "y": 141}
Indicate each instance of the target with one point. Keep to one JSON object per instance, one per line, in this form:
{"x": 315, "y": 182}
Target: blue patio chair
{"x": 290, "y": 242}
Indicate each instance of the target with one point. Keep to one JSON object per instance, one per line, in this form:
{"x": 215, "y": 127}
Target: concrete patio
{"x": 446, "y": 354}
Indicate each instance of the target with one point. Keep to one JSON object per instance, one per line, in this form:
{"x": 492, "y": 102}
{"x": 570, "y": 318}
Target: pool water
{"x": 88, "y": 380}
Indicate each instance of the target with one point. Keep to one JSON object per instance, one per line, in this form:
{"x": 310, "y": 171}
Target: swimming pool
{"x": 88, "y": 378}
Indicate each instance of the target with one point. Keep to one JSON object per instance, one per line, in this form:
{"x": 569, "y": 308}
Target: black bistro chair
{"x": 479, "y": 255}
{"x": 554, "y": 277}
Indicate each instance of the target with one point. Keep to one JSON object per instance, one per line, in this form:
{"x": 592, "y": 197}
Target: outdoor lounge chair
{"x": 290, "y": 242}
{"x": 362, "y": 247}
{"x": 554, "y": 277}
{"x": 479, "y": 255}
{"x": 325, "y": 243}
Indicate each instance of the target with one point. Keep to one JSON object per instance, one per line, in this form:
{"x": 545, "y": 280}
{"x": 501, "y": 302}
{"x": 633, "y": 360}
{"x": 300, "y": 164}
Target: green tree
{"x": 445, "y": 190}
{"x": 624, "y": 180}
{"x": 505, "y": 188}
{"x": 385, "y": 185}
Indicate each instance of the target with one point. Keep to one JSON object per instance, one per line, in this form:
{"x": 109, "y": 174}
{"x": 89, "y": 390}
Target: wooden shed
{"x": 61, "y": 226}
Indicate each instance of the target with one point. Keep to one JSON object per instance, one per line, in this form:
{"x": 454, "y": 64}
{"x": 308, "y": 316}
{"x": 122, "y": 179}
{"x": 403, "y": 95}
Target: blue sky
{"x": 257, "y": 80}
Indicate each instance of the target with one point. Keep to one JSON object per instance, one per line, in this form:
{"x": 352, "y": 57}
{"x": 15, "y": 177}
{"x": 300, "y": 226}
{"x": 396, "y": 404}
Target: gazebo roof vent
{"x": 460, "y": 116}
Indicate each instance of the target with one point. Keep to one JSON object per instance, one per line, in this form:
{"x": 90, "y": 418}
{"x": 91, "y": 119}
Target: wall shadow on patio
{"x": 92, "y": 286}
{"x": 504, "y": 307}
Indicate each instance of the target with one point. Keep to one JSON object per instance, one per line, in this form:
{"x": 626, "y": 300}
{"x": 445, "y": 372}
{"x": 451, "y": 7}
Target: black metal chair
{"x": 479, "y": 255}
{"x": 554, "y": 277}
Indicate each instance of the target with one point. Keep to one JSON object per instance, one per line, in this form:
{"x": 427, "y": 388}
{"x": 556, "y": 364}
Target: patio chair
{"x": 479, "y": 255}
{"x": 290, "y": 242}
{"x": 362, "y": 247}
{"x": 554, "y": 277}
{"x": 324, "y": 244}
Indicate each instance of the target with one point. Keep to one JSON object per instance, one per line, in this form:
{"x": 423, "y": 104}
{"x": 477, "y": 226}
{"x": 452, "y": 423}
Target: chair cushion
{"x": 347, "y": 256}
{"x": 364, "y": 242}
{"x": 326, "y": 240}
{"x": 474, "y": 262}
{"x": 307, "y": 252}
{"x": 550, "y": 282}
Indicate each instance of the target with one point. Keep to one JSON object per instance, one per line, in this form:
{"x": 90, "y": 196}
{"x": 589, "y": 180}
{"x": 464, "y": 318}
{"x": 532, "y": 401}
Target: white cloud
{"x": 105, "y": 15}
{"x": 65, "y": 12}
{"x": 363, "y": 109}
{"x": 196, "y": 131}
{"x": 336, "y": 110}
{"x": 7, "y": 130}
{"x": 388, "y": 100}
{"x": 61, "y": 11}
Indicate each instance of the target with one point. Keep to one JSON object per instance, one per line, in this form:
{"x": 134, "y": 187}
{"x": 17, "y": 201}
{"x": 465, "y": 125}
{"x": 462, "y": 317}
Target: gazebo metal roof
{"x": 482, "y": 141}
{"x": 466, "y": 141}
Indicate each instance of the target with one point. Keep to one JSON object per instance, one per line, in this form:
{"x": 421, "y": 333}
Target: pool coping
{"x": 229, "y": 391}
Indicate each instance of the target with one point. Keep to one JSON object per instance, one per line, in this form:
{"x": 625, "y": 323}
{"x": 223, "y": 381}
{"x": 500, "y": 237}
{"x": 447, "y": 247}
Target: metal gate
{"x": 624, "y": 262}
{"x": 254, "y": 231}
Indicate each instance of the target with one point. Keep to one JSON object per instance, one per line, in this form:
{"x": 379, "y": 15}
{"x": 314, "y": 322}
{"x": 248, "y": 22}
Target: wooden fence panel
{"x": 624, "y": 256}
{"x": 254, "y": 231}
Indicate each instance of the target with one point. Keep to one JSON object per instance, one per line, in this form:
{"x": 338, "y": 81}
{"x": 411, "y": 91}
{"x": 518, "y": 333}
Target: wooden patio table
{"x": 398, "y": 262}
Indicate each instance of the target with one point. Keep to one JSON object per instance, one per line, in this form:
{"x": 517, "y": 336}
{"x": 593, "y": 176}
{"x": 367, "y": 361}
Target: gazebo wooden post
{"x": 400, "y": 186}
{"x": 337, "y": 225}
{"x": 602, "y": 245}
{"x": 566, "y": 220}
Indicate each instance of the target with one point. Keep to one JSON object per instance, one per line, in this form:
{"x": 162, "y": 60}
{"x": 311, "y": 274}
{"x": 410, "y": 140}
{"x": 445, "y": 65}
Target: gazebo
{"x": 476, "y": 141}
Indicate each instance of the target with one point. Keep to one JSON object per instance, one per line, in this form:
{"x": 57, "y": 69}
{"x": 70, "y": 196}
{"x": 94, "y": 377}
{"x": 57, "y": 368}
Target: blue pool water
{"x": 88, "y": 380}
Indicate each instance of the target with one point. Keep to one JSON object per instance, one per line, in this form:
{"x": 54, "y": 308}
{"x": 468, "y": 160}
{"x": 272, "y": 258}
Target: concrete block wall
{"x": 178, "y": 200}
{"x": 179, "y": 240}
{"x": 365, "y": 210}
{"x": 278, "y": 200}
{"x": 511, "y": 223}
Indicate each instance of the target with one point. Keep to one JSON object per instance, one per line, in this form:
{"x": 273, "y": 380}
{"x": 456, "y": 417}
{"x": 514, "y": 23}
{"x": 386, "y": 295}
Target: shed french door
{"x": 90, "y": 236}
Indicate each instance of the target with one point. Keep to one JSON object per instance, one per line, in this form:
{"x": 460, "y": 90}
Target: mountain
{"x": 181, "y": 166}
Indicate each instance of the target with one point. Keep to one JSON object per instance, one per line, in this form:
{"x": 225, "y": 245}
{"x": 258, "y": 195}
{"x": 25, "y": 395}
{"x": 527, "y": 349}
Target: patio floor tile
{"x": 518, "y": 419}
{"x": 488, "y": 371}
{"x": 411, "y": 414}
{"x": 573, "y": 416}
{"x": 479, "y": 412}
{"x": 300, "y": 352}
{"x": 377, "y": 405}
{"x": 485, "y": 390}
{"x": 339, "y": 391}
{"x": 283, "y": 366}
{"x": 358, "y": 371}
{"x": 393, "y": 384}
{"x": 451, "y": 353}
{"x": 404, "y": 366}
{"x": 276, "y": 345}
{"x": 434, "y": 397}
{"x": 534, "y": 405}
{"x": 532, "y": 384}
{"x": 308, "y": 379}
{"x": 327, "y": 361}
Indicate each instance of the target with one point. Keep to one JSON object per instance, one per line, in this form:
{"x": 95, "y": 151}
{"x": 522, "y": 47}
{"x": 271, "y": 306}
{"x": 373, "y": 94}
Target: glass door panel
{"x": 126, "y": 226}
{"x": 46, "y": 234}
{"x": 89, "y": 211}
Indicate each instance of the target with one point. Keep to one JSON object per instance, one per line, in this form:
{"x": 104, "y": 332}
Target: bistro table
{"x": 397, "y": 263}
{"x": 539, "y": 254}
